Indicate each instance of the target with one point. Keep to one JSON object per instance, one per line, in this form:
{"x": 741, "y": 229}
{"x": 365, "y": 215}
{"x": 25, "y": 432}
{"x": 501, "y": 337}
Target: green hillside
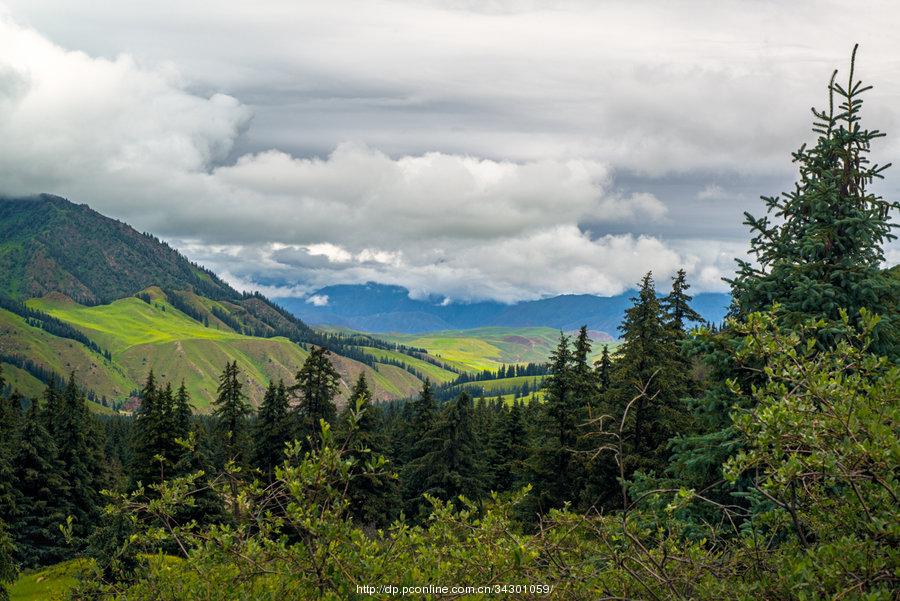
{"x": 61, "y": 356}
{"x": 52, "y": 582}
{"x": 433, "y": 372}
{"x": 142, "y": 305}
{"x": 52, "y": 245}
{"x": 142, "y": 335}
{"x": 487, "y": 348}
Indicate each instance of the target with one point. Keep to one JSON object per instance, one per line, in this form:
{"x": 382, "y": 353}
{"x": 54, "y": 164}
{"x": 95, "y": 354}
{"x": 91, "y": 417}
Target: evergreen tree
{"x": 272, "y": 429}
{"x": 231, "y": 410}
{"x": 819, "y": 249}
{"x": 80, "y": 451}
{"x": 41, "y": 490}
{"x": 182, "y": 413}
{"x": 584, "y": 379}
{"x": 676, "y": 305}
{"x": 317, "y": 385}
{"x": 649, "y": 380}
{"x": 604, "y": 370}
{"x": 421, "y": 420}
{"x": 452, "y": 466}
{"x": 153, "y": 449}
{"x": 552, "y": 462}
{"x": 8, "y": 569}
{"x": 372, "y": 495}
{"x": 509, "y": 446}
{"x": 10, "y": 430}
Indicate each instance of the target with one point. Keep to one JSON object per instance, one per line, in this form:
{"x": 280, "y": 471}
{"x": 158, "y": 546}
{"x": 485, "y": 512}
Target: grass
{"x": 60, "y": 355}
{"x": 49, "y": 583}
{"x": 435, "y": 373}
{"x": 488, "y": 348}
{"x": 142, "y": 336}
{"x": 25, "y": 383}
{"x": 507, "y": 399}
{"x": 489, "y": 386}
{"x": 131, "y": 322}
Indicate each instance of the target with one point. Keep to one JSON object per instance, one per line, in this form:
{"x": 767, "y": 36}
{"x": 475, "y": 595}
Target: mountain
{"x": 83, "y": 293}
{"x": 381, "y": 308}
{"x": 52, "y": 245}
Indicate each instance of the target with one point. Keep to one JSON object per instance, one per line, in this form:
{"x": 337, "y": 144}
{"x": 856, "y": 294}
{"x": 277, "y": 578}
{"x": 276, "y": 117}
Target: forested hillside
{"x": 81, "y": 293}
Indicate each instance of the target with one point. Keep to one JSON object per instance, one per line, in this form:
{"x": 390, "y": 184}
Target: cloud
{"x": 318, "y": 300}
{"x": 444, "y": 157}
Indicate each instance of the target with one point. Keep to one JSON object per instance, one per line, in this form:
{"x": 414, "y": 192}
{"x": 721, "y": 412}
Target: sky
{"x": 471, "y": 150}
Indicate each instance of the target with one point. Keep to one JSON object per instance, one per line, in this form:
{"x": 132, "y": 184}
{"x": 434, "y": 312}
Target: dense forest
{"x": 758, "y": 459}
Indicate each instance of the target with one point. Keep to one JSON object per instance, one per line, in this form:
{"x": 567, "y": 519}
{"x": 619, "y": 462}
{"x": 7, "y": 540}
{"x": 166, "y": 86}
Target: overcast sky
{"x": 472, "y": 149}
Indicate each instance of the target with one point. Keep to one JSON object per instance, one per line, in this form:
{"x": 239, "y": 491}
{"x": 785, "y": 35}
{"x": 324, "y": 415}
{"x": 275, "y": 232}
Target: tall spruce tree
{"x": 231, "y": 410}
{"x": 79, "y": 440}
{"x": 508, "y": 442}
{"x": 452, "y": 466}
{"x": 41, "y": 492}
{"x": 373, "y": 496}
{"x": 8, "y": 568}
{"x": 10, "y": 435}
{"x": 584, "y": 378}
{"x": 272, "y": 430}
{"x": 552, "y": 460}
{"x": 421, "y": 418}
{"x": 677, "y": 307}
{"x": 152, "y": 452}
{"x": 316, "y": 387}
{"x": 647, "y": 371}
{"x": 820, "y": 247}
{"x": 818, "y": 250}
{"x": 604, "y": 369}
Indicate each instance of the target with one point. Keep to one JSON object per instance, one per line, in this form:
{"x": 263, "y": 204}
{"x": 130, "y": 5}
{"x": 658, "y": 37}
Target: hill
{"x": 379, "y": 308}
{"x": 487, "y": 348}
{"x": 109, "y": 303}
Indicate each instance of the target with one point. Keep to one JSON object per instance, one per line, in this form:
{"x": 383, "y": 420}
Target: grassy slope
{"x": 435, "y": 373}
{"x": 60, "y": 355}
{"x": 141, "y": 335}
{"x": 489, "y": 386}
{"x": 23, "y": 381}
{"x": 49, "y": 583}
{"x": 487, "y": 348}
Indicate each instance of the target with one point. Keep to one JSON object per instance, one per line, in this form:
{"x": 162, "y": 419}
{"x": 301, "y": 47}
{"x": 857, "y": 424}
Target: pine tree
{"x": 272, "y": 429}
{"x": 41, "y": 490}
{"x": 10, "y": 435}
{"x": 452, "y": 467}
{"x": 231, "y": 410}
{"x": 182, "y": 414}
{"x": 421, "y": 420}
{"x": 604, "y": 369}
{"x": 676, "y": 305}
{"x": 80, "y": 450}
{"x": 552, "y": 463}
{"x": 819, "y": 249}
{"x": 584, "y": 379}
{"x": 317, "y": 385}
{"x": 649, "y": 380}
{"x": 8, "y": 569}
{"x": 509, "y": 446}
{"x": 373, "y": 497}
{"x": 152, "y": 453}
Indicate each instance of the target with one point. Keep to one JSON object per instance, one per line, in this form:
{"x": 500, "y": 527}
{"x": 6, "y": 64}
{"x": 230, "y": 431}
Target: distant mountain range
{"x": 381, "y": 308}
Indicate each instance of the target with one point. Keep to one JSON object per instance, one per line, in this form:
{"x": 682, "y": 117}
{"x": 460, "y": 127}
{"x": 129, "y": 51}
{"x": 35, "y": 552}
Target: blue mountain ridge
{"x": 385, "y": 308}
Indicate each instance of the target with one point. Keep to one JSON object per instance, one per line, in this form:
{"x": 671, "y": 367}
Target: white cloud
{"x": 318, "y": 300}
{"x": 312, "y": 149}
